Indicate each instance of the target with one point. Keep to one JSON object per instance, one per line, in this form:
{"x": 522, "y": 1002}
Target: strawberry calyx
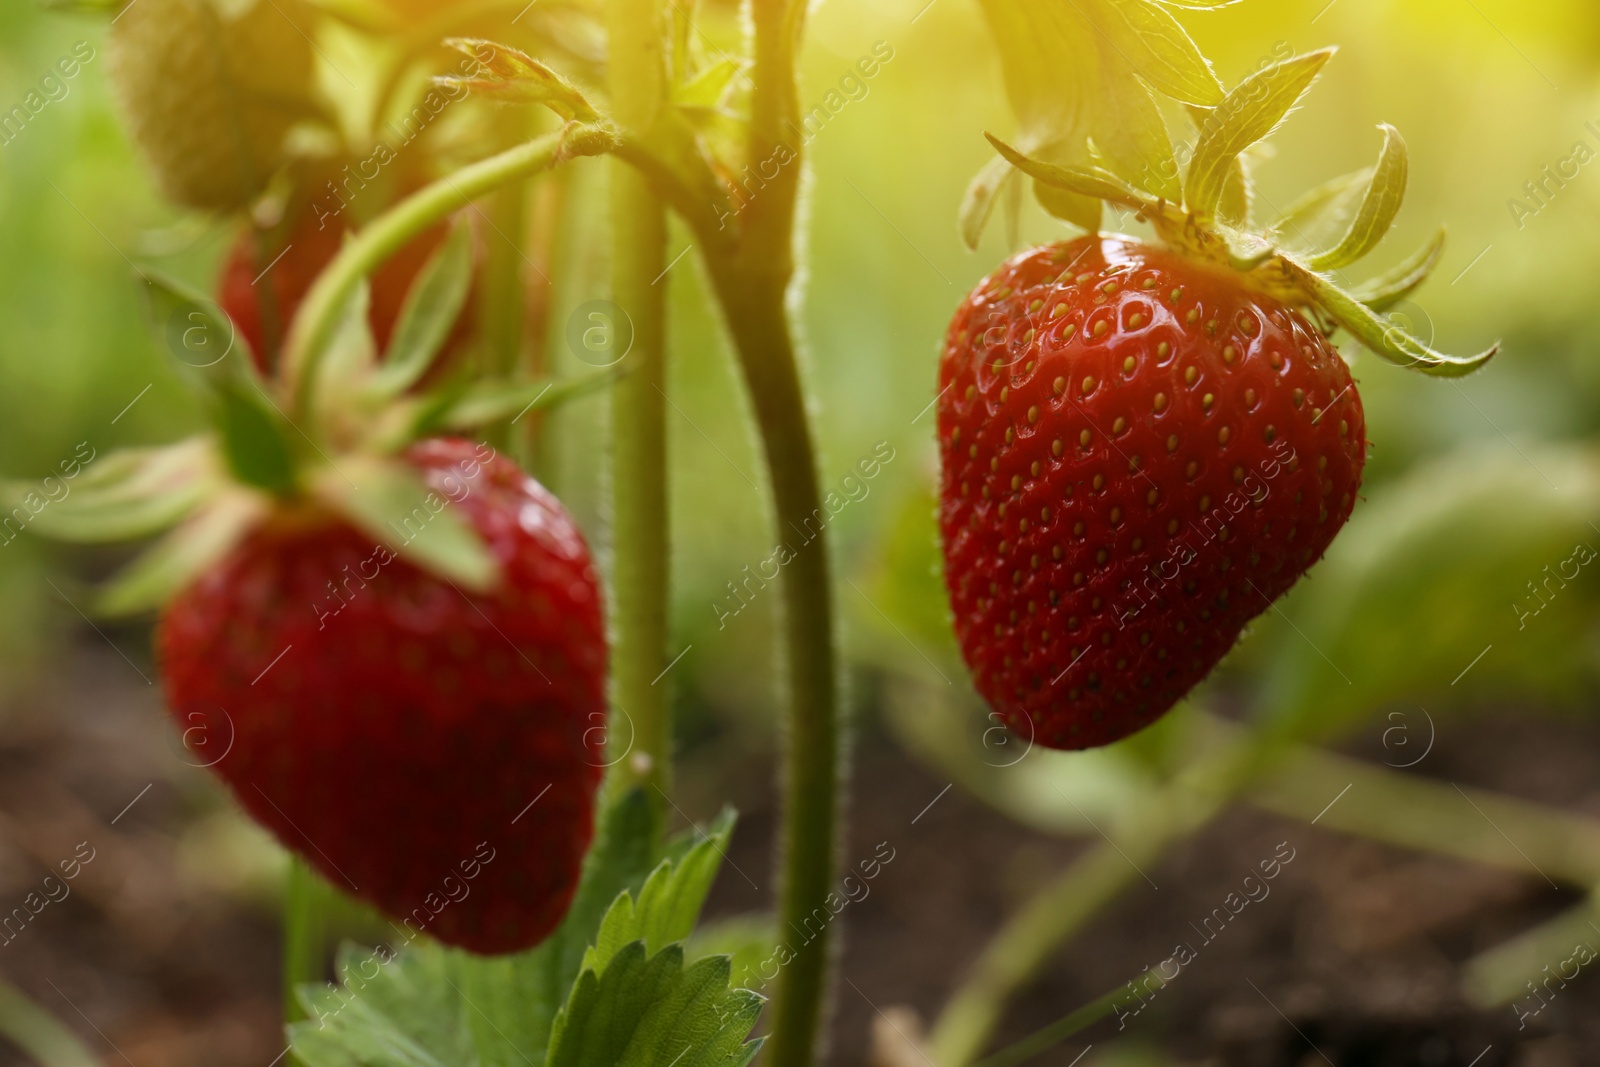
{"x": 340, "y": 456}
{"x": 1209, "y": 220}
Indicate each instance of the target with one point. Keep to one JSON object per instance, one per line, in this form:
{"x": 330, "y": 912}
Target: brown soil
{"x": 1351, "y": 960}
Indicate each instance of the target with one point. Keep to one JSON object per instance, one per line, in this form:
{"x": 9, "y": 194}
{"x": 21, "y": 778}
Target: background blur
{"x": 166, "y": 952}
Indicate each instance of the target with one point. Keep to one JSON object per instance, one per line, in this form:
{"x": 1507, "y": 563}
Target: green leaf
{"x": 1083, "y": 181}
{"x": 1379, "y": 206}
{"x": 1385, "y": 291}
{"x": 429, "y": 315}
{"x": 1161, "y": 51}
{"x": 389, "y": 501}
{"x": 1387, "y": 340}
{"x": 513, "y": 75}
{"x": 1246, "y": 115}
{"x": 653, "y": 1011}
{"x": 126, "y": 495}
{"x": 181, "y": 556}
{"x": 669, "y": 903}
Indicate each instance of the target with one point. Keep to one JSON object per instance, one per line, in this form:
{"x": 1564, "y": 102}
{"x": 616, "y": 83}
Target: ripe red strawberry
{"x": 1140, "y": 454}
{"x": 432, "y": 752}
{"x": 290, "y": 266}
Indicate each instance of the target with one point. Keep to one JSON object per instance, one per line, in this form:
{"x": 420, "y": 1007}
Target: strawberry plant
{"x": 1144, "y": 443}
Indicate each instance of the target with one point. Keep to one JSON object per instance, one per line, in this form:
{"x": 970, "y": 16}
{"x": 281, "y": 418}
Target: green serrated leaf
{"x": 435, "y": 1006}
{"x": 1388, "y": 289}
{"x": 651, "y": 1011}
{"x": 513, "y": 75}
{"x": 1387, "y": 340}
{"x": 429, "y": 314}
{"x": 1246, "y": 115}
{"x": 1379, "y": 206}
{"x": 124, "y": 496}
{"x": 1161, "y": 51}
{"x": 389, "y": 501}
{"x": 181, "y": 556}
{"x": 669, "y": 903}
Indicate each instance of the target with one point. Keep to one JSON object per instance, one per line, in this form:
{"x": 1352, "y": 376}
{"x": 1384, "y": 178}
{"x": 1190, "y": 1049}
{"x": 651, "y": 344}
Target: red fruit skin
{"x": 1108, "y": 530}
{"x": 432, "y": 752}
{"x": 299, "y": 259}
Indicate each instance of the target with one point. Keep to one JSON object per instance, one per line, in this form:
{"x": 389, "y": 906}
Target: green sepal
{"x": 1246, "y": 115}
{"x": 512, "y": 75}
{"x": 1386, "y": 340}
{"x": 977, "y": 203}
{"x": 1320, "y": 213}
{"x": 1388, "y": 289}
{"x": 1083, "y": 181}
{"x": 428, "y": 316}
{"x": 708, "y": 88}
{"x": 490, "y": 402}
{"x": 182, "y": 555}
{"x": 1380, "y": 203}
{"x": 254, "y": 435}
{"x": 1085, "y": 212}
{"x": 350, "y": 359}
{"x": 129, "y": 494}
{"x": 388, "y": 500}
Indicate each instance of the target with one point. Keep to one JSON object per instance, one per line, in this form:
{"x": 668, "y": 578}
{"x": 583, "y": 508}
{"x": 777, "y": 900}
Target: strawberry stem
{"x": 386, "y": 235}
{"x": 640, "y": 567}
{"x": 752, "y": 281}
{"x": 305, "y": 911}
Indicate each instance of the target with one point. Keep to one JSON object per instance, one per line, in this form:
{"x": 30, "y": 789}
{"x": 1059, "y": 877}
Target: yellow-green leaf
{"x": 1379, "y": 206}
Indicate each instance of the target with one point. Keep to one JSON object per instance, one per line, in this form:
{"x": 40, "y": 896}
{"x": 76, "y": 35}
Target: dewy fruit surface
{"x": 431, "y": 751}
{"x": 1139, "y": 455}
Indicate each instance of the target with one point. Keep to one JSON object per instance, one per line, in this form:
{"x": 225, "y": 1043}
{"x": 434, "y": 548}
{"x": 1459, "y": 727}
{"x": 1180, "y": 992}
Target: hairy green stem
{"x": 391, "y": 231}
{"x": 640, "y": 547}
{"x": 757, "y": 319}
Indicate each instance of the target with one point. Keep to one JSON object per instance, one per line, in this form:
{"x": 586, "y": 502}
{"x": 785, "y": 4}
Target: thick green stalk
{"x": 392, "y": 230}
{"x": 752, "y": 280}
{"x": 757, "y": 320}
{"x": 640, "y": 561}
